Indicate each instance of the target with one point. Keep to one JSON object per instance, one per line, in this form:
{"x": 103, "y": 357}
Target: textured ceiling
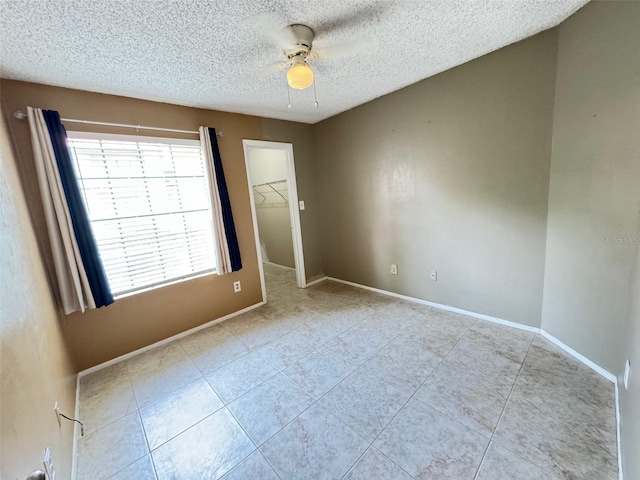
{"x": 210, "y": 54}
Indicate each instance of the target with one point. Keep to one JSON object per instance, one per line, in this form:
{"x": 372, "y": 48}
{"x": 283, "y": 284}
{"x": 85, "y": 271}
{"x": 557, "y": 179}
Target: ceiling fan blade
{"x": 357, "y": 47}
{"x": 278, "y": 66}
{"x": 274, "y": 31}
{"x": 368, "y": 14}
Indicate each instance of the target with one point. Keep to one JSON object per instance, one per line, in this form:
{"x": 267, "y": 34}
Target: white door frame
{"x": 294, "y": 212}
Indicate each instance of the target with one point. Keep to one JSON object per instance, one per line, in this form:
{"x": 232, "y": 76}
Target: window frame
{"x": 93, "y": 135}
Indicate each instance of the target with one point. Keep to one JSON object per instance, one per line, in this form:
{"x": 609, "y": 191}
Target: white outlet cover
{"x": 301, "y": 204}
{"x": 394, "y": 269}
{"x": 627, "y": 373}
{"x": 237, "y": 287}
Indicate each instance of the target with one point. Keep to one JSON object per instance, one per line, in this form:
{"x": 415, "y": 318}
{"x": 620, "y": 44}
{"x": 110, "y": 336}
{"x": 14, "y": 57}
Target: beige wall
{"x": 139, "y": 320}
{"x": 274, "y": 226}
{"x": 36, "y": 368}
{"x": 450, "y": 174}
{"x": 594, "y": 196}
{"x": 302, "y": 138}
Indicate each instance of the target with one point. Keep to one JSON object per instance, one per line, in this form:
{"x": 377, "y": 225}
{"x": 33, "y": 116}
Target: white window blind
{"x": 148, "y": 204}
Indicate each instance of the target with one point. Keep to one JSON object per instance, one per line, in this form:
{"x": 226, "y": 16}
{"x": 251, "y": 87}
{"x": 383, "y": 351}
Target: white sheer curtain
{"x": 227, "y": 249}
{"x": 73, "y": 283}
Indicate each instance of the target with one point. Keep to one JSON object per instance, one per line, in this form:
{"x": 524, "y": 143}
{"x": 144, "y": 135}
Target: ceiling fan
{"x": 296, "y": 43}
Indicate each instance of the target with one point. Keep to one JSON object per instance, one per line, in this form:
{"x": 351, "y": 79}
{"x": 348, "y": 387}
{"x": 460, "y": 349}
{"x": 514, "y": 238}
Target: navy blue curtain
{"x": 225, "y": 204}
{"x": 79, "y": 218}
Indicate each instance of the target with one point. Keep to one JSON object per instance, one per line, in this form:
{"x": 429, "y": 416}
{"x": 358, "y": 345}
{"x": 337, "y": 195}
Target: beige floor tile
{"x": 106, "y": 396}
{"x": 365, "y": 401}
{"x": 500, "y": 464}
{"x": 178, "y": 411}
{"x": 207, "y": 450}
{"x": 238, "y": 377}
{"x": 427, "y": 444}
{"x": 159, "y": 372}
{"x": 254, "y": 467}
{"x": 374, "y": 465}
{"x": 320, "y": 371}
{"x": 316, "y": 445}
{"x": 140, "y": 470}
{"x": 267, "y": 408}
{"x": 109, "y": 450}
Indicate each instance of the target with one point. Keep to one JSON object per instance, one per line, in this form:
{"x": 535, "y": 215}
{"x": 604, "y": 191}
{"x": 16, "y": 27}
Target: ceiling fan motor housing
{"x": 303, "y": 36}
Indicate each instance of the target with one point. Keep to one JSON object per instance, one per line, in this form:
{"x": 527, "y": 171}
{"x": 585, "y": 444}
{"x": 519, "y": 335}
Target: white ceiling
{"x": 210, "y": 54}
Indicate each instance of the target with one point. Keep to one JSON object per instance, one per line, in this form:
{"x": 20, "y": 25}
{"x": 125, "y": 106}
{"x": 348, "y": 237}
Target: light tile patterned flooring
{"x": 336, "y": 382}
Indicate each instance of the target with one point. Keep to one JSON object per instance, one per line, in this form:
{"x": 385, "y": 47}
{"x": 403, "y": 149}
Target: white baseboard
{"x": 597, "y": 368}
{"x": 440, "y": 306}
{"x": 129, "y": 355}
{"x": 620, "y": 472}
{"x": 594, "y": 366}
{"x": 316, "y": 281}
{"x": 278, "y": 265}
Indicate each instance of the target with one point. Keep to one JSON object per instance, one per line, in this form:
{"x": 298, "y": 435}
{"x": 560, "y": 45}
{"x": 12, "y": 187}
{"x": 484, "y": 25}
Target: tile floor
{"x": 336, "y": 382}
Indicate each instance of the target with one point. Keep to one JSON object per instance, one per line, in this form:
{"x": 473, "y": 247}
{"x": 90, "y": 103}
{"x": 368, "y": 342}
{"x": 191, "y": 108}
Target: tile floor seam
{"x": 414, "y": 393}
{"x": 364, "y": 453}
{"x": 306, "y": 355}
{"x": 266, "y": 460}
{"x": 113, "y": 420}
{"x": 123, "y": 469}
{"x": 178, "y": 340}
{"x": 504, "y": 408}
{"x": 570, "y": 413}
{"x": 186, "y": 429}
{"x": 137, "y": 459}
{"x": 265, "y": 441}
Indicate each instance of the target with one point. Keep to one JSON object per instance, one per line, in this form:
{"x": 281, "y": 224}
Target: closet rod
{"x": 21, "y": 115}
{"x": 268, "y": 183}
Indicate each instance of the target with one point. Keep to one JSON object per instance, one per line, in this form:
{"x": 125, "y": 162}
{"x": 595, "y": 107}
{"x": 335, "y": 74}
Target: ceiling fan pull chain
{"x": 288, "y": 96}
{"x": 315, "y": 97}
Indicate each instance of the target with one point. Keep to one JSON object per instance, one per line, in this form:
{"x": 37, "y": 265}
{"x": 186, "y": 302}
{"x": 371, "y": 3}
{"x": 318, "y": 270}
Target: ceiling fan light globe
{"x": 300, "y": 76}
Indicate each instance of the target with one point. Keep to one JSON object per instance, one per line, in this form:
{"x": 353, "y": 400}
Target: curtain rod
{"x": 20, "y": 115}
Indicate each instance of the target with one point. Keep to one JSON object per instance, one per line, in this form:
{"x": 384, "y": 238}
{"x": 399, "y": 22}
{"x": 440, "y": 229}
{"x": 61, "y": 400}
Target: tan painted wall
{"x": 302, "y": 137}
{"x": 36, "y": 368}
{"x": 274, "y": 226}
{"x": 450, "y": 174}
{"x": 594, "y": 196}
{"x": 137, "y": 321}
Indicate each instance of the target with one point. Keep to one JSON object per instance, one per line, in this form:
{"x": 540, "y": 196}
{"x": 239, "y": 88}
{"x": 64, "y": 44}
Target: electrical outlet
{"x": 394, "y": 269}
{"x": 236, "y": 286}
{"x": 627, "y": 373}
{"x": 57, "y": 412}
{"x": 434, "y": 276}
{"x": 301, "y": 204}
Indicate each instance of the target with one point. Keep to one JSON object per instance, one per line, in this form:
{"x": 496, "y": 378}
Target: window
{"x": 148, "y": 203}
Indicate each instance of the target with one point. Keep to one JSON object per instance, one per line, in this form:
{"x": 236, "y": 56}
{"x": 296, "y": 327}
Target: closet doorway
{"x": 274, "y": 206}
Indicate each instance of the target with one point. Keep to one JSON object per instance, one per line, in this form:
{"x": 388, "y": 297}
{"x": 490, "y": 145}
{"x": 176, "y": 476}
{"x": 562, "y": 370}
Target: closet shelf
{"x": 271, "y": 194}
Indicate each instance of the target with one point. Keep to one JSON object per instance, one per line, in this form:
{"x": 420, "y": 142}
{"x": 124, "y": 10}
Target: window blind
{"x": 148, "y": 204}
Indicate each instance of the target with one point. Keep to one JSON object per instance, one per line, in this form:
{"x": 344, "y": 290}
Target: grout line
{"x": 504, "y": 408}
{"x": 502, "y": 415}
{"x": 411, "y": 397}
